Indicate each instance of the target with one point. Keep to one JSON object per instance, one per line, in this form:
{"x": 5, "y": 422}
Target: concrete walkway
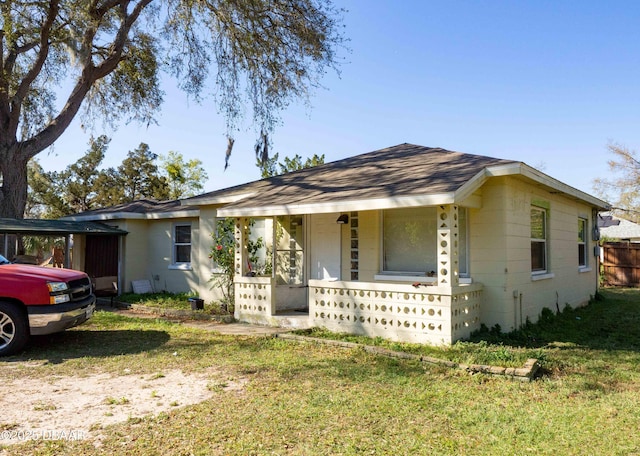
{"x": 236, "y": 329}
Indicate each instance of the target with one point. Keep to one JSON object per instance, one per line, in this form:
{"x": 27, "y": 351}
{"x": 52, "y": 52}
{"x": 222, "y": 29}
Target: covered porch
{"x": 334, "y": 270}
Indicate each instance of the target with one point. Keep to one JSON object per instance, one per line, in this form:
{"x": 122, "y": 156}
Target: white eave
{"x": 339, "y": 206}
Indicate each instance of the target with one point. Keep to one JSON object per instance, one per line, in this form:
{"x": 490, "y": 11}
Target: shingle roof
{"x": 402, "y": 170}
{"x": 402, "y": 175}
{"x": 143, "y": 206}
{"x": 617, "y": 228}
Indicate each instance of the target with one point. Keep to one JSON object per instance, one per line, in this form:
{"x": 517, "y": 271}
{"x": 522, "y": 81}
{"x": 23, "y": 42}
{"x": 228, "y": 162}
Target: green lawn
{"x": 304, "y": 399}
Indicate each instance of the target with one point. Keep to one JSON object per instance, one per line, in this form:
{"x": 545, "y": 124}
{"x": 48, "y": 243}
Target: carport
{"x": 11, "y": 229}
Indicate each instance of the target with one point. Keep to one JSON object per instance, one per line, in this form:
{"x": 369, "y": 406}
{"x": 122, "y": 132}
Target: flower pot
{"x": 196, "y": 303}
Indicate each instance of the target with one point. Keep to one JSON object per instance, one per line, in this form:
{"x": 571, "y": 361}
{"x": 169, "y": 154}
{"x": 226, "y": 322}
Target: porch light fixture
{"x": 343, "y": 219}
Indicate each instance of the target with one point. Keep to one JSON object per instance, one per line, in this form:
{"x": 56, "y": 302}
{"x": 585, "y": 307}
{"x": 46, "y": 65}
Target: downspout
{"x": 517, "y": 309}
{"x": 521, "y": 310}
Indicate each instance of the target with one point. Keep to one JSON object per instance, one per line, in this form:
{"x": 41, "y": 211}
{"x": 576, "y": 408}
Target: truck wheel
{"x": 14, "y": 329}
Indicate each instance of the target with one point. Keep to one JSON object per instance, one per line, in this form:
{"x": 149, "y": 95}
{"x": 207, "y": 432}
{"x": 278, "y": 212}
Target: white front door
{"x": 325, "y": 247}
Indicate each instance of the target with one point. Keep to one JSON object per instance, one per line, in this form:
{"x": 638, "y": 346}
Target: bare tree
{"x": 622, "y": 187}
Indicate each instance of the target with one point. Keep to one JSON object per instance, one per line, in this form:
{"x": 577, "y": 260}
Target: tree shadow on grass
{"x": 59, "y": 347}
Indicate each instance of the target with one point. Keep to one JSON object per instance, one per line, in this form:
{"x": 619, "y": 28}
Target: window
{"x": 182, "y": 244}
{"x": 409, "y": 240}
{"x": 582, "y": 243}
{"x": 289, "y": 250}
{"x": 538, "y": 240}
{"x": 260, "y": 246}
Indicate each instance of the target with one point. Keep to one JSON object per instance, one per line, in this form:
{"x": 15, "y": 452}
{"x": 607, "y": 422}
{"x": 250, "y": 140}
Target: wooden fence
{"x": 621, "y": 264}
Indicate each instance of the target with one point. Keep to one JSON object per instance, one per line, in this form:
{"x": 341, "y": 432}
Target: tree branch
{"x": 121, "y": 38}
{"x": 89, "y": 75}
{"x": 36, "y": 68}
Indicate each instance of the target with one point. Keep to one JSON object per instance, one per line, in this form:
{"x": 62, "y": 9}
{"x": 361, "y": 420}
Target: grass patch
{"x": 179, "y": 301}
{"x": 116, "y": 401}
{"x": 170, "y": 301}
{"x": 317, "y": 399}
{"x": 42, "y": 406}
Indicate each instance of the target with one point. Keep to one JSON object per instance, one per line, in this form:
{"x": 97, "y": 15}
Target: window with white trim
{"x": 182, "y": 244}
{"x": 409, "y": 241}
{"x": 289, "y": 259}
{"x": 582, "y": 242}
{"x": 539, "y": 240}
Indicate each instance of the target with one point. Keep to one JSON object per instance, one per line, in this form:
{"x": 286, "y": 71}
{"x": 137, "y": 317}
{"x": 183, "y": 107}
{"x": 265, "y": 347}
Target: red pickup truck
{"x": 35, "y": 300}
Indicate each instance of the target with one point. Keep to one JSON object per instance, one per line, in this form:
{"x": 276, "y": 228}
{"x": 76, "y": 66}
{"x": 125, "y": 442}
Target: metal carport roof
{"x": 56, "y": 227}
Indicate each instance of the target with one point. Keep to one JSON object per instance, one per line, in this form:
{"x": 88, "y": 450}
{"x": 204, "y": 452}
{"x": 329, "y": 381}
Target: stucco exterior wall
{"x": 147, "y": 251}
{"x": 161, "y": 271}
{"x": 135, "y": 250}
{"x": 488, "y": 259}
{"x": 500, "y": 253}
{"x": 206, "y": 288}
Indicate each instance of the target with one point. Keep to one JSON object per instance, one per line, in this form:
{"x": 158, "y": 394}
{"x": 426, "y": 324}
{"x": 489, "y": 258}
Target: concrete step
{"x": 293, "y": 320}
{"x": 289, "y": 319}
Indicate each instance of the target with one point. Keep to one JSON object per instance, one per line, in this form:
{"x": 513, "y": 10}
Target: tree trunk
{"x": 13, "y": 188}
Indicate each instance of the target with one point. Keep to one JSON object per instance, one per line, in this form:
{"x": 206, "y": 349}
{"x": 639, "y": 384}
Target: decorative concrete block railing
{"x": 254, "y": 299}
{"x": 404, "y": 313}
{"x": 466, "y": 302}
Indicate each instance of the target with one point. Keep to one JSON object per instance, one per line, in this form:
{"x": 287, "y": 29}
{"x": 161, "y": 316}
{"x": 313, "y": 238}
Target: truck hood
{"x": 53, "y": 274}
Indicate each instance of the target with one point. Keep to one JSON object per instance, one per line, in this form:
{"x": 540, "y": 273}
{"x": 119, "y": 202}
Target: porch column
{"x": 67, "y": 251}
{"x": 241, "y": 234}
{"x": 448, "y": 262}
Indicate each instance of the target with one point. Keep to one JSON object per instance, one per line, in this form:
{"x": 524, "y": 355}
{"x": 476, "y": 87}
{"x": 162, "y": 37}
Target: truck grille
{"x": 80, "y": 289}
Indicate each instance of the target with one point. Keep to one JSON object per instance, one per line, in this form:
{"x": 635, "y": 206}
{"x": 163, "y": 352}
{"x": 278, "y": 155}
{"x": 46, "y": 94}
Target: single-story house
{"x": 409, "y": 243}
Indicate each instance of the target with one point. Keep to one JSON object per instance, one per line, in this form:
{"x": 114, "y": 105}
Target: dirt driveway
{"x": 80, "y": 407}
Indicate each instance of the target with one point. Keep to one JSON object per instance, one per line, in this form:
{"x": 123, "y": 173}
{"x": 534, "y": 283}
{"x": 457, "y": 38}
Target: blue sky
{"x": 550, "y": 83}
